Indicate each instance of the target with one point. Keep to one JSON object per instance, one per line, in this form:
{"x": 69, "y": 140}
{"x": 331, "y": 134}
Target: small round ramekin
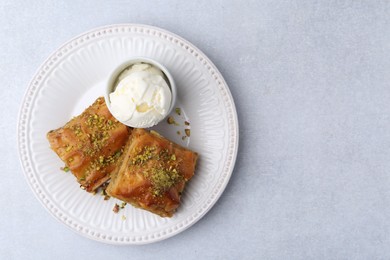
{"x": 113, "y": 76}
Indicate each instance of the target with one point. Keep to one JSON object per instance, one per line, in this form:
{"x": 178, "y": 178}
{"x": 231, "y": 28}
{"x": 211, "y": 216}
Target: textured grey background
{"x": 311, "y": 84}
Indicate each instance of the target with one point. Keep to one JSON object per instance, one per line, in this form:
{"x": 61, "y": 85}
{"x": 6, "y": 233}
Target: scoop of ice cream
{"x": 141, "y": 97}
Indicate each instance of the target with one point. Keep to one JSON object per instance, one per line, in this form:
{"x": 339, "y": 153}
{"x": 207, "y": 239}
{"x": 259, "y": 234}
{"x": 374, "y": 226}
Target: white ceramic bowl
{"x": 113, "y": 76}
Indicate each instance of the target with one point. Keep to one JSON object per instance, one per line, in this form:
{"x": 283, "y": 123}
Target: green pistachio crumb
{"x": 170, "y": 120}
{"x": 65, "y": 168}
{"x": 123, "y": 205}
{"x": 144, "y": 155}
{"x": 178, "y": 111}
{"x": 163, "y": 179}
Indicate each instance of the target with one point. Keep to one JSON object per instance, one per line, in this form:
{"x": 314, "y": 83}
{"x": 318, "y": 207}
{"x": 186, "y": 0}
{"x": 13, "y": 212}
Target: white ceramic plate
{"x": 70, "y": 80}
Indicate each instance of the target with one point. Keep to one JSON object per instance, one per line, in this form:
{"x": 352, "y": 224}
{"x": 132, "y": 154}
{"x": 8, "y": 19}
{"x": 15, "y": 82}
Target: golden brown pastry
{"x": 153, "y": 173}
{"x": 90, "y": 144}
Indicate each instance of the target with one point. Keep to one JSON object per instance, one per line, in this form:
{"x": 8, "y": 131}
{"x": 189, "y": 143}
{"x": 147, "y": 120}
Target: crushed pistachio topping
{"x": 144, "y": 155}
{"x": 123, "y": 217}
{"x": 164, "y": 173}
{"x": 98, "y": 140}
{"x": 186, "y": 123}
{"x": 100, "y": 122}
{"x": 100, "y": 163}
{"x": 77, "y": 130}
{"x": 188, "y": 132}
{"x": 163, "y": 179}
{"x": 178, "y": 133}
{"x": 163, "y": 155}
{"x": 97, "y": 135}
{"x": 92, "y": 131}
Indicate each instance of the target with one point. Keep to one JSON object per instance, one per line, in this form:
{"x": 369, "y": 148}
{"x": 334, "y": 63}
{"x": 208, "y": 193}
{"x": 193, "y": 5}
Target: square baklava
{"x": 153, "y": 173}
{"x": 90, "y": 145}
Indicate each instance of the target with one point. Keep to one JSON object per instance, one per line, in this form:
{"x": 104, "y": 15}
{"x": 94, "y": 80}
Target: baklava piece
{"x": 90, "y": 144}
{"x": 153, "y": 173}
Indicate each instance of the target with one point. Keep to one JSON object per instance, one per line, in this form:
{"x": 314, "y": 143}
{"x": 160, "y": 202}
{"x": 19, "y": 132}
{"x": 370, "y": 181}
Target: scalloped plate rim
{"x": 22, "y": 128}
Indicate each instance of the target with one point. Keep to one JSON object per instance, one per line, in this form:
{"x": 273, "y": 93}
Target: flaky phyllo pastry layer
{"x": 90, "y": 144}
{"x": 147, "y": 170}
{"x": 153, "y": 173}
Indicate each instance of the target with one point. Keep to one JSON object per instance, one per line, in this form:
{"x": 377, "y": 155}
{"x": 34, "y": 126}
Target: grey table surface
{"x": 310, "y": 80}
